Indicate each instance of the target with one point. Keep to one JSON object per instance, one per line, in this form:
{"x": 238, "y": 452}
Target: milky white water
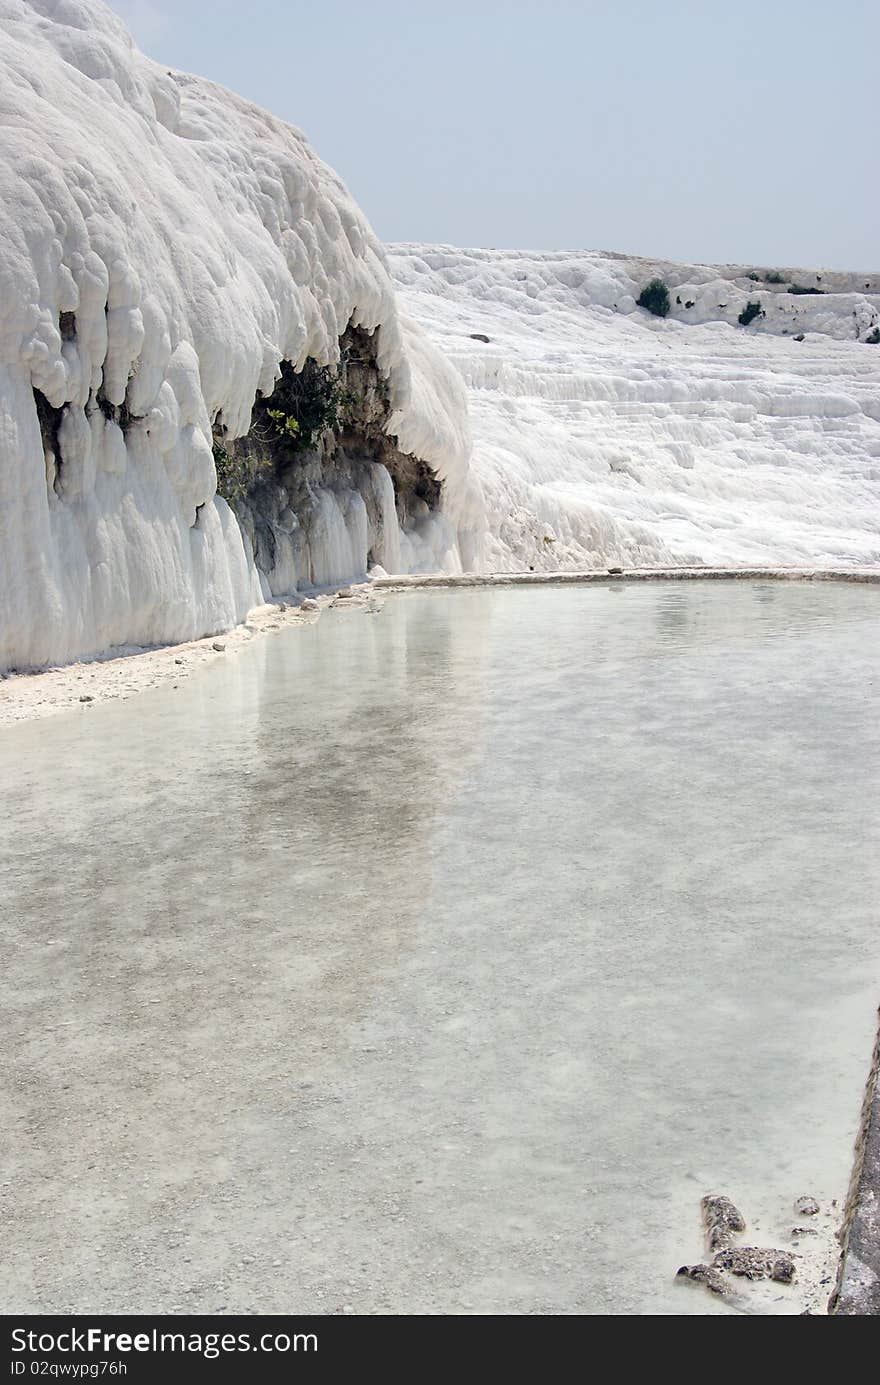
{"x": 438, "y": 960}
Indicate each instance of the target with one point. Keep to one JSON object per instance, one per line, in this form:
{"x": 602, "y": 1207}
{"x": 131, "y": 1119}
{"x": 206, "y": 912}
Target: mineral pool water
{"x": 439, "y": 959}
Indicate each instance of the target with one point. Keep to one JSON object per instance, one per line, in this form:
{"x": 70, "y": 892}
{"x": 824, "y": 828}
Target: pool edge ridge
{"x": 857, "y": 1291}
{"x": 406, "y": 582}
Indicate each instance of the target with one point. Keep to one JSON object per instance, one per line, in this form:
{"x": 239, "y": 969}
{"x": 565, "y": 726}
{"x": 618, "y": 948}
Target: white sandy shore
{"x": 127, "y": 670}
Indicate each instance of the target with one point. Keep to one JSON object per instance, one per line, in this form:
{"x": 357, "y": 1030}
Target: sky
{"x": 727, "y": 130}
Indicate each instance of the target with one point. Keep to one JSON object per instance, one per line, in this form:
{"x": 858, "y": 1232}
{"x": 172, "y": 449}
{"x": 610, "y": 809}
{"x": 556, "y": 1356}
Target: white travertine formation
{"x": 604, "y": 435}
{"x": 164, "y": 245}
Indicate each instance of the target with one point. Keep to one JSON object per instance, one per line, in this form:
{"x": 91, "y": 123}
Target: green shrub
{"x": 752, "y": 310}
{"x": 873, "y": 338}
{"x": 655, "y": 297}
{"x": 285, "y": 424}
{"x": 236, "y": 475}
{"x": 773, "y": 277}
{"x": 305, "y": 404}
{"x": 802, "y": 288}
{"x": 755, "y": 278}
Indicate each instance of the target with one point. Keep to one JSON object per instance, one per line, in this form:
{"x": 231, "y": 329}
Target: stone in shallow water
{"x": 705, "y": 1274}
{"x": 806, "y": 1206}
{"x": 752, "y": 1263}
{"x": 722, "y": 1219}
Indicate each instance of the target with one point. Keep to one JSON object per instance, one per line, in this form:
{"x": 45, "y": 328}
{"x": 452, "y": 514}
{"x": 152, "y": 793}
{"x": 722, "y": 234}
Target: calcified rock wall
{"x": 165, "y": 247}
{"x": 336, "y": 499}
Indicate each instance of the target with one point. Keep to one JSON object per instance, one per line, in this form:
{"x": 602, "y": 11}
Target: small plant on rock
{"x": 752, "y": 310}
{"x": 655, "y": 297}
{"x": 873, "y": 338}
{"x": 286, "y": 425}
{"x": 236, "y": 475}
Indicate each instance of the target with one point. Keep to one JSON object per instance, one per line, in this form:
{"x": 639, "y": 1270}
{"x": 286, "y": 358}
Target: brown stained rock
{"x": 705, "y": 1274}
{"x": 752, "y": 1263}
{"x": 722, "y": 1219}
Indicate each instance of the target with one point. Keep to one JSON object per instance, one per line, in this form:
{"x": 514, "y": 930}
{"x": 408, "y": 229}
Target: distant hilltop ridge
{"x": 840, "y": 304}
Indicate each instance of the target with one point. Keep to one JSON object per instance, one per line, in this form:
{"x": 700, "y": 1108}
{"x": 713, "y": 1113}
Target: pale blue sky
{"x": 707, "y": 131}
